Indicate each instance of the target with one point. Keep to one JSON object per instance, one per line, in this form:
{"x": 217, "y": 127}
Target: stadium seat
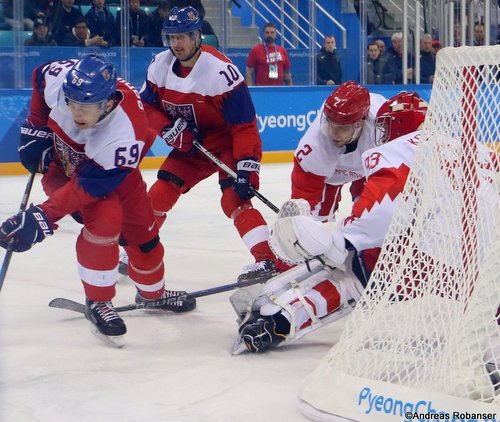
{"x": 210, "y": 39}
{"x": 7, "y": 38}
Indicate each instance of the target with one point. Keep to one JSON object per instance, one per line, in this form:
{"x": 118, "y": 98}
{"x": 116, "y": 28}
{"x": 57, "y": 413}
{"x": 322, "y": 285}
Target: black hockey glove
{"x": 179, "y": 135}
{"x": 35, "y": 147}
{"x": 25, "y": 229}
{"x": 247, "y": 177}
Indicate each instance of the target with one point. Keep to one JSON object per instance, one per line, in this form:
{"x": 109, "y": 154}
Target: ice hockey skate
{"x": 258, "y": 271}
{"x": 179, "y": 302}
{"x": 106, "y": 323}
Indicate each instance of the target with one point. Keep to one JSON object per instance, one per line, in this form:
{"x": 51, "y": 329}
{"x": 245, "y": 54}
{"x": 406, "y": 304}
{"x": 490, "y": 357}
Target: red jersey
{"x": 212, "y": 96}
{"x": 261, "y": 57}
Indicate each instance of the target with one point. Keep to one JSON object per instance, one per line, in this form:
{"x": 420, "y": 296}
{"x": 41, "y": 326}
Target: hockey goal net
{"x": 425, "y": 336}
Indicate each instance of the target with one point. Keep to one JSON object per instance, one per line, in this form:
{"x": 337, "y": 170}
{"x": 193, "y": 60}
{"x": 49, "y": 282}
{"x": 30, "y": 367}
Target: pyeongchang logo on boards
{"x": 299, "y": 122}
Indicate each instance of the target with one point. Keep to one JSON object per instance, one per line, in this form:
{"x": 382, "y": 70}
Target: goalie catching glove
{"x": 25, "y": 229}
{"x": 299, "y": 238}
{"x": 35, "y": 147}
{"x": 179, "y": 135}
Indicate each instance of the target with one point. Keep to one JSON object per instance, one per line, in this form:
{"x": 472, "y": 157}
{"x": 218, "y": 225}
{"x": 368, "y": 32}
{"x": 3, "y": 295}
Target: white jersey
{"x": 386, "y": 169}
{"x": 118, "y": 134}
{"x": 318, "y": 155}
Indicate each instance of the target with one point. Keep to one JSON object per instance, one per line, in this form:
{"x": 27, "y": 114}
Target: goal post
{"x": 425, "y": 336}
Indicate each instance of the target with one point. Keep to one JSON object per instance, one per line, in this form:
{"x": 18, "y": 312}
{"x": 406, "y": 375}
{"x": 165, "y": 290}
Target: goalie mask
{"x": 344, "y": 113}
{"x": 401, "y": 114}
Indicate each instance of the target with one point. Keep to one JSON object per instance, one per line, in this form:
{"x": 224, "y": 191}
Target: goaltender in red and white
{"x": 310, "y": 295}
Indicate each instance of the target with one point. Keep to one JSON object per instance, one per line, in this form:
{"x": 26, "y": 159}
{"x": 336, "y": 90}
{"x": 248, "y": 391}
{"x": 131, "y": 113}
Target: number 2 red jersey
{"x": 213, "y": 97}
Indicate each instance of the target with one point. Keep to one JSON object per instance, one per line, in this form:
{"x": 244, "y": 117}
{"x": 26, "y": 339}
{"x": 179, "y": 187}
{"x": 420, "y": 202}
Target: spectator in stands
{"x": 396, "y": 58}
{"x": 64, "y": 19}
{"x": 379, "y": 69}
{"x": 436, "y": 46}
{"x": 101, "y": 21}
{"x": 427, "y": 60}
{"x": 139, "y": 22}
{"x": 381, "y": 47}
{"x": 30, "y": 12}
{"x": 206, "y": 28}
{"x": 80, "y": 36}
{"x": 157, "y": 18}
{"x": 478, "y": 34}
{"x": 268, "y": 62}
{"x": 457, "y": 35}
{"x": 40, "y": 36}
{"x": 328, "y": 69}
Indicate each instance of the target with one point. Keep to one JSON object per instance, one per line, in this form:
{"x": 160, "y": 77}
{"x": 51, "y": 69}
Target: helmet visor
{"x": 340, "y": 135}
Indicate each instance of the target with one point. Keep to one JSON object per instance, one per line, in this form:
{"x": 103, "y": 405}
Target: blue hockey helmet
{"x": 90, "y": 81}
{"x": 181, "y": 21}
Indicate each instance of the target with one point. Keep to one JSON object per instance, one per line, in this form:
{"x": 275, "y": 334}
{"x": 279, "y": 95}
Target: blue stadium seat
{"x": 84, "y": 8}
{"x": 7, "y": 38}
{"x": 210, "y": 39}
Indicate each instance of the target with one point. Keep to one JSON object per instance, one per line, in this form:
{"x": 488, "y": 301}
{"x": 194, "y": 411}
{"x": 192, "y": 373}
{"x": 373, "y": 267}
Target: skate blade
{"x": 113, "y": 341}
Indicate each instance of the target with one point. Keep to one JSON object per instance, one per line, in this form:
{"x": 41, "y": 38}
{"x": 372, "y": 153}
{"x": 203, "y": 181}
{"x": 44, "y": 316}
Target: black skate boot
{"x": 266, "y": 332}
{"x": 179, "y": 302}
{"x": 105, "y": 318}
{"x": 259, "y": 271}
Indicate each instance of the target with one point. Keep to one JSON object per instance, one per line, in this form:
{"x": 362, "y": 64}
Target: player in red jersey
{"x": 192, "y": 92}
{"x": 87, "y": 132}
{"x": 303, "y": 299}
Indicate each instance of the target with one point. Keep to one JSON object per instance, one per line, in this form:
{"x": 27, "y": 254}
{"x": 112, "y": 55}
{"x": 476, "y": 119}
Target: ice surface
{"x": 175, "y": 368}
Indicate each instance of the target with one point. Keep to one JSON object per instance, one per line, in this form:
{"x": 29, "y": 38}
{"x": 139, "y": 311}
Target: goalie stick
{"x": 71, "y": 305}
{"x": 231, "y": 173}
{"x": 10, "y": 250}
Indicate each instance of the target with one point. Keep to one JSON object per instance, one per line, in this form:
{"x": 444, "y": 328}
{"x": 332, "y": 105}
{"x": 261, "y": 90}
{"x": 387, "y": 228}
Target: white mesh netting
{"x": 429, "y": 318}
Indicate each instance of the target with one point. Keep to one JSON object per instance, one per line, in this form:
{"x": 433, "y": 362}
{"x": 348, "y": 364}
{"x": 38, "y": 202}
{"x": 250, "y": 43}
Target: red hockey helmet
{"x": 344, "y": 113}
{"x": 348, "y": 104}
{"x": 399, "y": 115}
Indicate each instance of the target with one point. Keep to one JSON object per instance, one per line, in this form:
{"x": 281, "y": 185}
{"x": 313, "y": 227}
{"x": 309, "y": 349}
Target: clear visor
{"x": 343, "y": 134}
{"x": 85, "y": 107}
{"x": 168, "y": 38}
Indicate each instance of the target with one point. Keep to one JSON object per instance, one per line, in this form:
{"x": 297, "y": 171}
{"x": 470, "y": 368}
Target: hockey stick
{"x": 231, "y": 173}
{"x": 10, "y": 246}
{"x": 63, "y": 303}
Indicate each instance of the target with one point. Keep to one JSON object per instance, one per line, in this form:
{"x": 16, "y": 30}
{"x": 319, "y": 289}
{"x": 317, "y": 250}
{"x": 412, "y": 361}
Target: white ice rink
{"x": 173, "y": 368}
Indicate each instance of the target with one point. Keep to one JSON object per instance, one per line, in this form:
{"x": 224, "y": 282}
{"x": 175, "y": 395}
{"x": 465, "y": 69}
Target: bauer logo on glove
{"x": 179, "y": 135}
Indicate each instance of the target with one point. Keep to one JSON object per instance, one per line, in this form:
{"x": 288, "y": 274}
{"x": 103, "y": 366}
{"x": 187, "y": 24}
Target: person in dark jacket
{"x": 139, "y": 23}
{"x": 427, "y": 60}
{"x": 328, "y": 69}
{"x": 40, "y": 36}
{"x": 157, "y": 19}
{"x": 80, "y": 36}
{"x": 378, "y": 67}
{"x": 63, "y": 20}
{"x": 101, "y": 21}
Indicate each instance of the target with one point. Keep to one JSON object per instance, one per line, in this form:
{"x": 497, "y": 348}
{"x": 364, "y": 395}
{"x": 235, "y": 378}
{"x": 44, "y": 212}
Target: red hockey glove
{"x": 178, "y": 135}
{"x": 25, "y": 229}
{"x": 247, "y": 177}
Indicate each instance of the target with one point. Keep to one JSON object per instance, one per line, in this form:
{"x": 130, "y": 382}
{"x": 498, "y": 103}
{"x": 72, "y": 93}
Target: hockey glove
{"x": 247, "y": 177}
{"x": 178, "y": 135}
{"x": 35, "y": 147}
{"x": 25, "y": 229}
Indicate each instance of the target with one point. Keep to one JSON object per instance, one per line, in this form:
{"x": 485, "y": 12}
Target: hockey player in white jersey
{"x": 329, "y": 154}
{"x": 327, "y": 286}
